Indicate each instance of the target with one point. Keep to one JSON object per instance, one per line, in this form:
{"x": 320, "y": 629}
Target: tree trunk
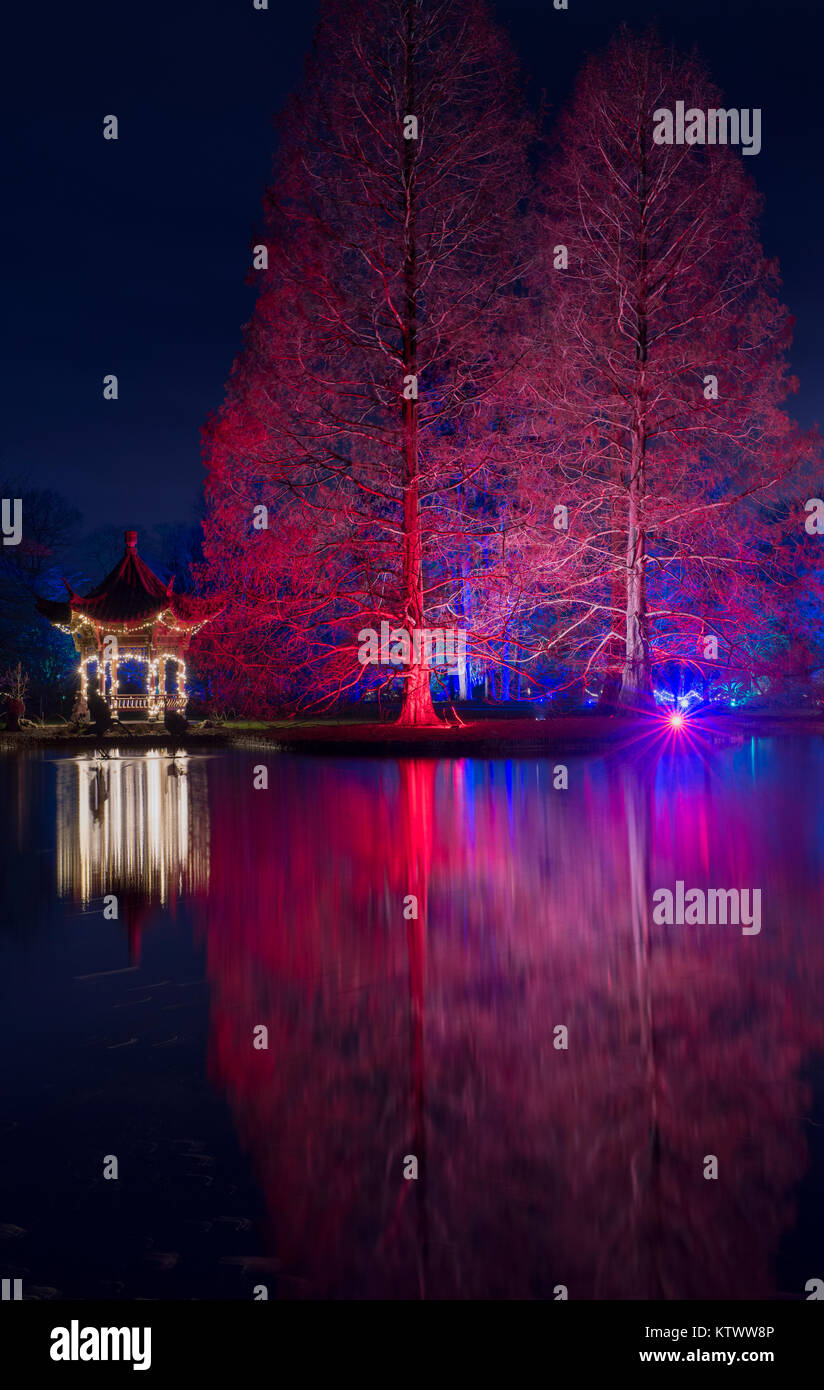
{"x": 463, "y": 685}
{"x": 616, "y": 643}
{"x": 417, "y": 700}
{"x": 636, "y": 685}
{"x": 465, "y": 617}
{"x": 15, "y": 709}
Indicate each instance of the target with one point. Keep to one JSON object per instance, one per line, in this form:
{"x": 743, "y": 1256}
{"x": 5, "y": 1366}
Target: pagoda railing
{"x": 123, "y": 703}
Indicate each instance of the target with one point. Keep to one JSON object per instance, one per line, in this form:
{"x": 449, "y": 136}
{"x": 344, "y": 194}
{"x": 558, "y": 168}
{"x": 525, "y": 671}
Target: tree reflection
{"x": 434, "y": 1036}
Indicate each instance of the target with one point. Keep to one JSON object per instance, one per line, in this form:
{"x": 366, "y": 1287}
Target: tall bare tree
{"x": 356, "y": 412}
{"x": 664, "y": 366}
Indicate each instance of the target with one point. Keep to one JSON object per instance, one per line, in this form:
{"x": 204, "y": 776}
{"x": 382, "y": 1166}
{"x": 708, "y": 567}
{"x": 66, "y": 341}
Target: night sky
{"x": 131, "y": 256}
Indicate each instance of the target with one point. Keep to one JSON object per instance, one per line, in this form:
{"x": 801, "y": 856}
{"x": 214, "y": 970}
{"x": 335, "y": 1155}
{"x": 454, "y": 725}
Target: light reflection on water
{"x": 437, "y": 1036}
{"x": 125, "y": 824}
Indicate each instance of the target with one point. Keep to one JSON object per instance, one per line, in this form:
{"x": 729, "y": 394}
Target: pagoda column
{"x": 155, "y": 682}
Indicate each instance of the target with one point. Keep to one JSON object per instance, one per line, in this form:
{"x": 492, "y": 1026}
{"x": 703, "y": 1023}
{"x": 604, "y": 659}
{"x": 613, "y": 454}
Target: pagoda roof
{"x": 131, "y": 593}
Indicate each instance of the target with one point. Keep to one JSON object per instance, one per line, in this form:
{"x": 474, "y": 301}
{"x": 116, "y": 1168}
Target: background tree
{"x": 667, "y": 294}
{"x": 49, "y": 532}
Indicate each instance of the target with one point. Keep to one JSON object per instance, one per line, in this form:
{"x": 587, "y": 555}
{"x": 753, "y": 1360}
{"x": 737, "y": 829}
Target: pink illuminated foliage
{"x": 390, "y": 258}
{"x": 683, "y": 501}
{"x": 566, "y": 487}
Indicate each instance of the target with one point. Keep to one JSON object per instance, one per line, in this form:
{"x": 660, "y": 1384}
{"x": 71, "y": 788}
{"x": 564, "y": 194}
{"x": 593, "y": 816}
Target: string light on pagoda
{"x": 152, "y": 690}
{"x": 151, "y": 635}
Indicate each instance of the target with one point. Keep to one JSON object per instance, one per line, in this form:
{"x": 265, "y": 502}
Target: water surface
{"x": 392, "y": 1036}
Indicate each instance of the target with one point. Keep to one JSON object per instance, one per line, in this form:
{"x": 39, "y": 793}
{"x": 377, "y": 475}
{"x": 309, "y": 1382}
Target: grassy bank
{"x": 484, "y": 736}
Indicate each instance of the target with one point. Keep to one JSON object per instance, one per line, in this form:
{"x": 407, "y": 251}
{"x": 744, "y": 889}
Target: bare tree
{"x": 356, "y": 410}
{"x": 664, "y": 364}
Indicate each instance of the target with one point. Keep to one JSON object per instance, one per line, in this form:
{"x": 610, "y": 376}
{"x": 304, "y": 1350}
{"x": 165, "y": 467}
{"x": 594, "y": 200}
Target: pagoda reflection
{"x": 135, "y": 827}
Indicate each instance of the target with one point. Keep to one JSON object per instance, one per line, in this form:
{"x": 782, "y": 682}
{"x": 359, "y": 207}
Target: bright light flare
{"x": 677, "y": 720}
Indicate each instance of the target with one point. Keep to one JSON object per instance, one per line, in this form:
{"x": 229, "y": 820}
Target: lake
{"x": 380, "y": 966}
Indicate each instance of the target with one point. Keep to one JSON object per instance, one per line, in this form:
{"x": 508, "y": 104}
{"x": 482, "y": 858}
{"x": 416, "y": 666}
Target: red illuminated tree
{"x": 667, "y": 291}
{"x": 357, "y": 411}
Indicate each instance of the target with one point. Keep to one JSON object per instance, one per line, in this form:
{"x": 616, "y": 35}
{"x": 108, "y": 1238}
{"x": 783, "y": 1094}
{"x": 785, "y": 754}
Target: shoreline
{"x": 485, "y": 736}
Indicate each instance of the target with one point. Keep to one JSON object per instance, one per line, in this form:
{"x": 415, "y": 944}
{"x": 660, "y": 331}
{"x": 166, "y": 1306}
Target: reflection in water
{"x": 433, "y": 1033}
{"x": 435, "y": 1037}
{"x": 136, "y": 827}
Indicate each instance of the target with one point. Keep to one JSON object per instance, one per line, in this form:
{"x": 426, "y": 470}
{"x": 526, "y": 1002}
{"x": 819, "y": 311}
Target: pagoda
{"x": 132, "y": 616}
